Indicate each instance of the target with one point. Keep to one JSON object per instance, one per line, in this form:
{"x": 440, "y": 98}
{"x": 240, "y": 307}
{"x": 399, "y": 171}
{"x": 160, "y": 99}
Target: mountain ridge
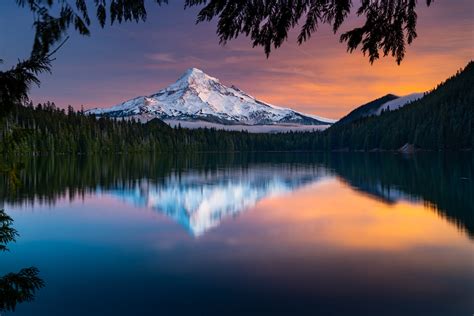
{"x": 196, "y": 96}
{"x": 388, "y": 102}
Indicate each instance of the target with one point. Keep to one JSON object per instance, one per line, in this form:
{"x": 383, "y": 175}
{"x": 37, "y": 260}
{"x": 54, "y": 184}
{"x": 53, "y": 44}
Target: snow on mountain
{"x": 198, "y": 97}
{"x": 399, "y": 102}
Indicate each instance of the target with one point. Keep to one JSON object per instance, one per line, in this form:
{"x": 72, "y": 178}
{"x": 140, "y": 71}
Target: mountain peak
{"x": 195, "y": 73}
{"x": 193, "y": 70}
{"x": 192, "y": 76}
{"x": 196, "y": 96}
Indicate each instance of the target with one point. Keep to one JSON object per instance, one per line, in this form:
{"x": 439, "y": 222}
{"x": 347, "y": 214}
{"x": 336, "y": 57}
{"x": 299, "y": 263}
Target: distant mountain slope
{"x": 442, "y": 120}
{"x": 197, "y": 96}
{"x": 366, "y": 109}
{"x": 376, "y": 107}
{"x": 398, "y": 103}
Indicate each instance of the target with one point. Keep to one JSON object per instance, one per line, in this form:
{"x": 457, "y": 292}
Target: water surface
{"x": 290, "y": 234}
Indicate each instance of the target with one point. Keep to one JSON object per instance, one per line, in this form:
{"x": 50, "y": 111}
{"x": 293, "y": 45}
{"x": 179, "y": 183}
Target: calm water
{"x": 290, "y": 234}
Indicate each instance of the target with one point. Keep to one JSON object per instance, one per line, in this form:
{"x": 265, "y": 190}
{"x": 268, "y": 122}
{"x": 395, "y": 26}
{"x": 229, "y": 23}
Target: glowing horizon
{"x": 318, "y": 77}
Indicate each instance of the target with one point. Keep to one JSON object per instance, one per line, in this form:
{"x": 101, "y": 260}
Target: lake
{"x": 244, "y": 234}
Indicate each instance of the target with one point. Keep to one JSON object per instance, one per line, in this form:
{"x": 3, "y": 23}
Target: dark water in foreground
{"x": 265, "y": 234}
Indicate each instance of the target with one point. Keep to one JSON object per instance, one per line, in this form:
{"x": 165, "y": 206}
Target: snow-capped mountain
{"x": 198, "y": 97}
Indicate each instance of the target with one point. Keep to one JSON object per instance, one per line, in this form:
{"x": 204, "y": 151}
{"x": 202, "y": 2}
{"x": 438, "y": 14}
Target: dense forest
{"x": 442, "y": 120}
{"x": 48, "y": 129}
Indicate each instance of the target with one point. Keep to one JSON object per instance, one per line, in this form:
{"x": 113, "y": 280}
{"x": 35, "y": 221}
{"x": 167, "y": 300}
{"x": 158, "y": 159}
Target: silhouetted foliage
{"x": 16, "y": 82}
{"x": 17, "y": 287}
{"x": 389, "y": 24}
{"x": 52, "y": 18}
{"x": 7, "y": 233}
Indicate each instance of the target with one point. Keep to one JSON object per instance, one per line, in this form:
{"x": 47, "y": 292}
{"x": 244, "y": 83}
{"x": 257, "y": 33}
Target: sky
{"x": 319, "y": 77}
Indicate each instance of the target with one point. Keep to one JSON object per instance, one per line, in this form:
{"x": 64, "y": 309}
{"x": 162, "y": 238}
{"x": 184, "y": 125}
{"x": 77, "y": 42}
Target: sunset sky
{"x": 319, "y": 77}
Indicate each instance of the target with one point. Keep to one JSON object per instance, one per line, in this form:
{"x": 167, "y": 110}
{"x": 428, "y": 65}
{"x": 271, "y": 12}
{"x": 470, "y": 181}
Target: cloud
{"x": 162, "y": 57}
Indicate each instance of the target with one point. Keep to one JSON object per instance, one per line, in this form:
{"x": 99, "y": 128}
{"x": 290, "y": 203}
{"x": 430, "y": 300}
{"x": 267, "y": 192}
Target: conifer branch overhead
{"x": 389, "y": 24}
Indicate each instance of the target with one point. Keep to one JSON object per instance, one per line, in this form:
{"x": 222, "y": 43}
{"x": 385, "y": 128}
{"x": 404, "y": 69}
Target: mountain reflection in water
{"x": 200, "y": 201}
{"x": 269, "y": 234}
{"x": 200, "y": 191}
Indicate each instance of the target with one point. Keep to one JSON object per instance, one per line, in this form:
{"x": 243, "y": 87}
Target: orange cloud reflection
{"x": 333, "y": 214}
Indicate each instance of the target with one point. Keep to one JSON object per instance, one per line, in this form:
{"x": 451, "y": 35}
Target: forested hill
{"x": 442, "y": 120}
{"x": 48, "y": 129}
{"x": 366, "y": 109}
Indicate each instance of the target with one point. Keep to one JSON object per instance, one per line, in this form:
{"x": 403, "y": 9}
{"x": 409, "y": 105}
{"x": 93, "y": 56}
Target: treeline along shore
{"x": 442, "y": 120}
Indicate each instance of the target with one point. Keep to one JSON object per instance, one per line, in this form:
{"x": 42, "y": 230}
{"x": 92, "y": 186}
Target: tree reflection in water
{"x": 444, "y": 180}
{"x": 15, "y": 287}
